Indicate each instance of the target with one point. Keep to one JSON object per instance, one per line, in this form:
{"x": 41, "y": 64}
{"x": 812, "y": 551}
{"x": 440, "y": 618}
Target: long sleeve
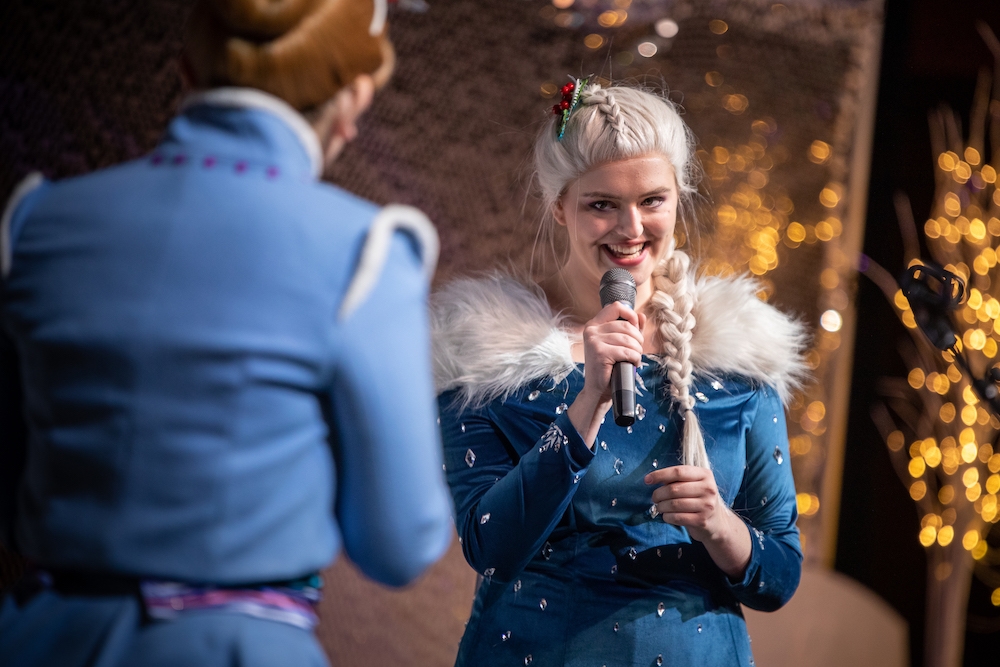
{"x": 766, "y": 501}
{"x": 506, "y": 506}
{"x": 392, "y": 502}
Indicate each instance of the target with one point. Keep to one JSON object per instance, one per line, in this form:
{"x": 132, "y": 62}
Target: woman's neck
{"x": 579, "y": 298}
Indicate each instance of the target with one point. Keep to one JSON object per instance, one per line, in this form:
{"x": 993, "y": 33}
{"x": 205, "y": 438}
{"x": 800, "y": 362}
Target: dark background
{"x": 931, "y": 55}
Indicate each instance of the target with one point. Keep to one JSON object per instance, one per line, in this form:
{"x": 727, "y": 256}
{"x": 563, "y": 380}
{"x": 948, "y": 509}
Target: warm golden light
{"x": 928, "y": 534}
{"x": 713, "y": 79}
{"x": 918, "y": 489}
{"x": 562, "y": 4}
{"x": 917, "y": 467}
{"x": 718, "y": 26}
{"x": 646, "y": 49}
{"x": 945, "y": 535}
{"x": 947, "y": 413}
{"x": 819, "y": 152}
{"x": 970, "y": 540}
{"x": 946, "y": 494}
{"x": 608, "y": 19}
{"x": 666, "y": 28}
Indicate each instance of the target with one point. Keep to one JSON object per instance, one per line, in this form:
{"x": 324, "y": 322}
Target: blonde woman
{"x": 598, "y": 544}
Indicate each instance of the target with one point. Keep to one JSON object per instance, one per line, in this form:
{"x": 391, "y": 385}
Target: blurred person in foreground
{"x": 214, "y": 368}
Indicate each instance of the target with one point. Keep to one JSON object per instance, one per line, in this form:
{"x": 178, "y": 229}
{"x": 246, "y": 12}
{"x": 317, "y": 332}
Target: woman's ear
{"x": 558, "y": 212}
{"x": 341, "y": 115}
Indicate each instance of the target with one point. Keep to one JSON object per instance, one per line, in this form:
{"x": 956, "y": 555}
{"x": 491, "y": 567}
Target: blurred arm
{"x": 392, "y": 503}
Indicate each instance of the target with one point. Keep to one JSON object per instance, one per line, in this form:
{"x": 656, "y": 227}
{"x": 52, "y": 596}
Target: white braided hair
{"x": 618, "y": 123}
{"x": 673, "y": 302}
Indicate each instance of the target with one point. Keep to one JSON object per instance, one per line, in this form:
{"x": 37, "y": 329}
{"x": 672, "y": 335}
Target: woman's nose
{"x": 630, "y": 222}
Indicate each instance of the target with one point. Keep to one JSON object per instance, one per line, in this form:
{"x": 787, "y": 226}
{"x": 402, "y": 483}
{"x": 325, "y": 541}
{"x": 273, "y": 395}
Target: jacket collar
{"x": 251, "y": 98}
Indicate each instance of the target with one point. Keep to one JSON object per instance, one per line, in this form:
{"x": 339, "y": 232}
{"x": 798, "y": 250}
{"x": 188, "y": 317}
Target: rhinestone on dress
{"x": 663, "y": 429}
{"x": 547, "y": 551}
{"x": 659, "y": 660}
{"x": 542, "y": 604}
{"x": 701, "y": 397}
{"x": 488, "y": 572}
{"x": 699, "y": 628}
{"x": 680, "y": 552}
{"x": 527, "y": 659}
{"x": 463, "y": 428}
{"x": 640, "y": 412}
{"x": 656, "y": 463}
{"x": 484, "y": 518}
{"x": 774, "y": 419}
{"x": 632, "y": 553}
{"x": 660, "y": 608}
{"x": 716, "y": 385}
{"x": 517, "y": 585}
{"x": 614, "y": 501}
{"x": 505, "y": 636}
{"x": 659, "y": 554}
{"x": 604, "y": 445}
{"x": 561, "y": 408}
{"x": 470, "y": 458}
{"x": 614, "y": 569}
{"x": 778, "y": 456}
{"x": 533, "y": 395}
{"x": 653, "y": 512}
{"x": 628, "y": 429}
{"x": 763, "y": 501}
{"x": 618, "y": 466}
{"x": 616, "y": 627}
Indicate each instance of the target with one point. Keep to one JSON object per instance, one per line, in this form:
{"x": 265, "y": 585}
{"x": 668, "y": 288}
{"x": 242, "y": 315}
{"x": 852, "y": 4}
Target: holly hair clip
{"x": 570, "y": 101}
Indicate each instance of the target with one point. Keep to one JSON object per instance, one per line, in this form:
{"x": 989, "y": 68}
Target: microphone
{"x": 619, "y": 285}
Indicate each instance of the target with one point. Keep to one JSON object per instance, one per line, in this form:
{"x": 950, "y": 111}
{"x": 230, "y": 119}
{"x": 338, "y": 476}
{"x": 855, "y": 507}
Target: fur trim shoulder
{"x": 735, "y": 332}
{"x": 492, "y": 335}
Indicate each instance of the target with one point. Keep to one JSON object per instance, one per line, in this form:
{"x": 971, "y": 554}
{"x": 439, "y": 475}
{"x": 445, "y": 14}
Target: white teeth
{"x": 626, "y": 250}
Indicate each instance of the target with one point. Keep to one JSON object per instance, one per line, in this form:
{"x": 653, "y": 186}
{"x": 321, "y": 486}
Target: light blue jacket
{"x": 216, "y": 368}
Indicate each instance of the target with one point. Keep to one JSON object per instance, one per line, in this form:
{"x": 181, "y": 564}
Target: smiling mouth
{"x": 631, "y": 251}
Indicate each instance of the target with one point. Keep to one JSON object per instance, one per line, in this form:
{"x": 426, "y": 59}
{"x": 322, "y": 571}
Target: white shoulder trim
{"x": 736, "y": 332}
{"x": 492, "y": 335}
{"x": 27, "y": 185}
{"x": 378, "y": 18}
{"x": 251, "y": 98}
{"x": 390, "y": 219}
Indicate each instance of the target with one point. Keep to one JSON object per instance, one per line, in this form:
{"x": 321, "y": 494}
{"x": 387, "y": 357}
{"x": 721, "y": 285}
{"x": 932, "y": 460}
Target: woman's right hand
{"x": 613, "y": 335}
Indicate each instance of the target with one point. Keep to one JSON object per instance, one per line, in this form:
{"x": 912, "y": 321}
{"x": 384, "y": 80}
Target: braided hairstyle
{"x": 618, "y": 123}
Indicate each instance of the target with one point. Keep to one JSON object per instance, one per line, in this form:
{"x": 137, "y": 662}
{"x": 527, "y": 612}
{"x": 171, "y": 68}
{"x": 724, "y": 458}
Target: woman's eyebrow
{"x": 605, "y": 195}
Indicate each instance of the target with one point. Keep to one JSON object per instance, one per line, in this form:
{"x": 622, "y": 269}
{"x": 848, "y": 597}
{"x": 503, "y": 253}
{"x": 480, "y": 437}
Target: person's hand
{"x": 613, "y": 335}
{"x": 688, "y": 496}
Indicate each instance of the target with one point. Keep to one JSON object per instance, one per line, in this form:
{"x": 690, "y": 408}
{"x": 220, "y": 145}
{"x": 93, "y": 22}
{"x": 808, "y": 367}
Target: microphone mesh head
{"x": 618, "y": 285}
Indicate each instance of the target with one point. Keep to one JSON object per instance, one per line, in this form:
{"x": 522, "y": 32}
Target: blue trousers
{"x": 54, "y": 630}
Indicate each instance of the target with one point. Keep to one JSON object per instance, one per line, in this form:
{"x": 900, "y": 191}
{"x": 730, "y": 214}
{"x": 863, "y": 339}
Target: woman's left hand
{"x": 688, "y": 496}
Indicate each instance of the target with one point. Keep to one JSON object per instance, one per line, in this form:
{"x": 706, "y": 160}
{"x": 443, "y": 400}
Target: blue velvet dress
{"x": 578, "y": 570}
{"x": 184, "y": 396}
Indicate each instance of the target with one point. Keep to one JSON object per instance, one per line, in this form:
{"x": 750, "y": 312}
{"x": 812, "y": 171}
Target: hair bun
{"x": 261, "y": 18}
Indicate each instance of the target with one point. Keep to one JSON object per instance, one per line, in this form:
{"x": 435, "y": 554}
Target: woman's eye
{"x": 600, "y": 205}
{"x": 652, "y": 201}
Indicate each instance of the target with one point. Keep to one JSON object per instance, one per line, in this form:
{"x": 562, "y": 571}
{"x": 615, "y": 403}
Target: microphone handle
{"x": 623, "y": 393}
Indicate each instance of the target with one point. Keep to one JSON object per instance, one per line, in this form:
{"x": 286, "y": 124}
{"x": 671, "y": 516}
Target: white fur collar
{"x": 492, "y": 335}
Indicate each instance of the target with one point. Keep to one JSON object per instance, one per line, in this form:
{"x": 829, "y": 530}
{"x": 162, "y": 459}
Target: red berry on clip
{"x": 557, "y": 109}
{"x": 570, "y": 87}
{"x": 564, "y": 104}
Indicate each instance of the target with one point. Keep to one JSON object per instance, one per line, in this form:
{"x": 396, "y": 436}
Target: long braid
{"x": 604, "y": 100}
{"x": 673, "y": 303}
